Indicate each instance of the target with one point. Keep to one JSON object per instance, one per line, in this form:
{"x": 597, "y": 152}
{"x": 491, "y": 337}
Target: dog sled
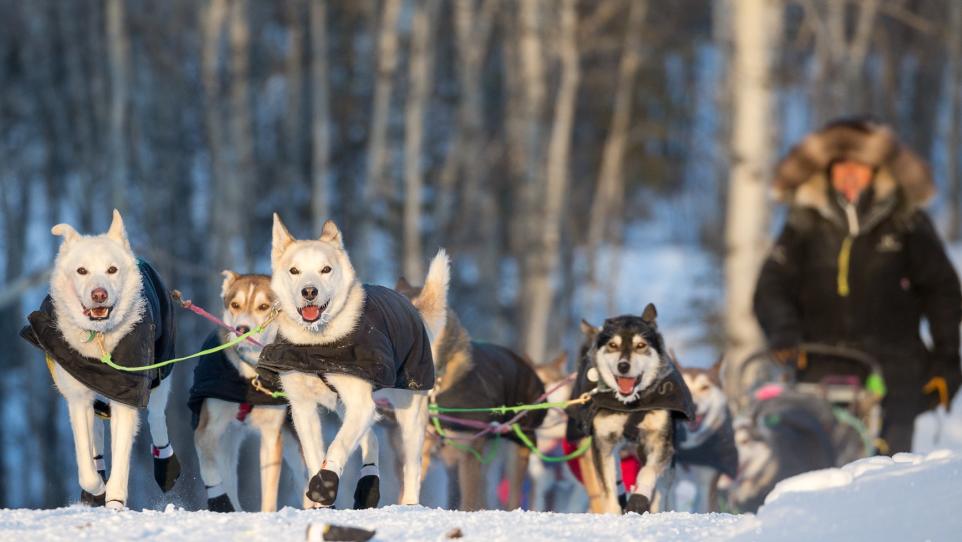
{"x": 823, "y": 411}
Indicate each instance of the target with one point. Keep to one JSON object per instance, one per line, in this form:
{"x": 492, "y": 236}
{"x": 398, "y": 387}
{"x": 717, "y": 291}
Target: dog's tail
{"x": 432, "y": 302}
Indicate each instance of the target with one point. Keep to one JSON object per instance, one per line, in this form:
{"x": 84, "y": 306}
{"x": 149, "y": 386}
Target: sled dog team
{"x": 312, "y": 334}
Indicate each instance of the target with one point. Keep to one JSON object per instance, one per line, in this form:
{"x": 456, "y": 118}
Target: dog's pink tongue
{"x": 625, "y": 384}
{"x": 311, "y": 312}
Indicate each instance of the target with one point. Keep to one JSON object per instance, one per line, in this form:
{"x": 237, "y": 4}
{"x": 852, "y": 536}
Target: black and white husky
{"x": 636, "y": 393}
{"x": 102, "y": 299}
{"x": 337, "y": 342}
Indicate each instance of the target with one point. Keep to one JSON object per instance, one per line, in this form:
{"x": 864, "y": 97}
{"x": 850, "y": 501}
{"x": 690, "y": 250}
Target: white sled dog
{"x": 224, "y": 401}
{"x": 102, "y": 299}
{"x": 338, "y": 340}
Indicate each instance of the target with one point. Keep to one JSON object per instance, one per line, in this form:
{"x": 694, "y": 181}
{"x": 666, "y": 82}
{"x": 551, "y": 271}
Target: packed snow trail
{"x": 910, "y": 497}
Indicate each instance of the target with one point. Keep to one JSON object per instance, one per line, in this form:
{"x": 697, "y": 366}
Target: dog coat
{"x": 498, "y": 377}
{"x": 717, "y": 451}
{"x": 668, "y": 393}
{"x": 389, "y": 348}
{"x": 151, "y": 340}
{"x": 216, "y": 377}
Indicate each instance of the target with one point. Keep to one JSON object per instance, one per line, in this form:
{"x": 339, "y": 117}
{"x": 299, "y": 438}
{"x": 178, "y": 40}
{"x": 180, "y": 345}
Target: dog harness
{"x": 718, "y": 451}
{"x": 667, "y": 393}
{"x": 389, "y": 348}
{"x": 150, "y": 340}
{"x": 216, "y": 377}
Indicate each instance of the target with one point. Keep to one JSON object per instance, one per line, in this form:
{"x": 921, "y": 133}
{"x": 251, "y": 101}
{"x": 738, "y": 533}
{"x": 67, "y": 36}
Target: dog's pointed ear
{"x": 229, "y": 278}
{"x": 66, "y": 231}
{"x": 649, "y": 314}
{"x": 587, "y": 329}
{"x": 402, "y": 285}
{"x": 714, "y": 372}
{"x": 331, "y": 234}
{"x": 560, "y": 361}
{"x": 116, "y": 231}
{"x": 280, "y": 240}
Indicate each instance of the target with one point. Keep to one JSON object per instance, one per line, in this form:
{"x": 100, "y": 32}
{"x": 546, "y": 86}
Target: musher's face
{"x": 850, "y": 178}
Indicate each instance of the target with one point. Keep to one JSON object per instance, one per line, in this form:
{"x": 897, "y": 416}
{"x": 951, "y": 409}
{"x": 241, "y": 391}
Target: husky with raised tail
{"x": 104, "y": 301}
{"x": 225, "y": 398}
{"x": 337, "y": 342}
{"x": 472, "y": 374}
{"x": 636, "y": 394}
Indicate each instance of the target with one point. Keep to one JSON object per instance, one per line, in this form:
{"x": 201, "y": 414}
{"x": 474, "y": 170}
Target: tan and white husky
{"x": 224, "y": 400}
{"x": 103, "y": 300}
{"x": 322, "y": 304}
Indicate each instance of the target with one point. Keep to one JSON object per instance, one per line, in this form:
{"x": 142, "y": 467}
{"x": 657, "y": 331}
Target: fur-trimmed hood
{"x": 801, "y": 175}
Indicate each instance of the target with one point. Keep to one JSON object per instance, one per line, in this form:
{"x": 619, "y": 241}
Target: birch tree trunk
{"x": 755, "y": 27}
{"x": 241, "y": 127}
{"x": 294, "y": 122}
{"x": 556, "y": 185}
{"x": 387, "y": 46}
{"x": 954, "y": 114}
{"x": 320, "y": 117}
{"x": 419, "y": 85}
{"x": 118, "y": 46}
{"x": 610, "y": 189}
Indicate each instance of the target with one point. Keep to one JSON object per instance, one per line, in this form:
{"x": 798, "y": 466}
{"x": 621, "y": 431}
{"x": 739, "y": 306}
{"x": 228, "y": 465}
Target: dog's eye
{"x": 641, "y": 346}
{"x": 235, "y": 305}
{"x": 81, "y": 270}
{"x": 327, "y": 269}
{"x": 613, "y": 345}
{"x": 112, "y": 270}
{"x": 295, "y": 271}
{"x": 263, "y": 307}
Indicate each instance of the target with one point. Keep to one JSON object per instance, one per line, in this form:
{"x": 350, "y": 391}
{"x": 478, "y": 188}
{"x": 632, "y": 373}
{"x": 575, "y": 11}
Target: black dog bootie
{"x": 323, "y": 487}
{"x": 638, "y": 504}
{"x": 166, "y": 467}
{"x": 368, "y": 492}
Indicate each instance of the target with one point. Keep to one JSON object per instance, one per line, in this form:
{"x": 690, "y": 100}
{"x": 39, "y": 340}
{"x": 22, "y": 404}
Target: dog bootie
{"x": 166, "y": 467}
{"x": 220, "y": 503}
{"x": 94, "y": 501}
{"x": 323, "y": 487}
{"x": 638, "y": 504}
{"x": 368, "y": 492}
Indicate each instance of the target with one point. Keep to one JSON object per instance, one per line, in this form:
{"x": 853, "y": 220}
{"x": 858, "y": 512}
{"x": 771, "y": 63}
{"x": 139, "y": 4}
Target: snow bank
{"x": 908, "y": 497}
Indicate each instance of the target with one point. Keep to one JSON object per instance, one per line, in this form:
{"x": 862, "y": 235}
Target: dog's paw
{"x": 102, "y": 409}
{"x": 220, "y": 503}
{"x": 368, "y": 492}
{"x": 638, "y": 504}
{"x": 89, "y": 499}
{"x": 166, "y": 472}
{"x": 116, "y": 505}
{"x": 323, "y": 487}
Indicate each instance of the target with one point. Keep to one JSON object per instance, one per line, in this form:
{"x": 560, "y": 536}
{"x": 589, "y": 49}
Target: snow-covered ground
{"x": 908, "y": 497}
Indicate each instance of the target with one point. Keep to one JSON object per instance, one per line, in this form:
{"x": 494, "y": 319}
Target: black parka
{"x": 864, "y": 281}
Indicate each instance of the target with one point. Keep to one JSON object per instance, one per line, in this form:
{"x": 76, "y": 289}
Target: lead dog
{"x": 635, "y": 391}
{"x": 337, "y": 342}
{"x": 104, "y": 301}
{"x": 224, "y": 399}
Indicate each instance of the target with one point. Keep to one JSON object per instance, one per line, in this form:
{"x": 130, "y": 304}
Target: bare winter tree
{"x": 320, "y": 117}
{"x": 419, "y": 85}
{"x": 118, "y": 46}
{"x": 546, "y": 261}
{"x": 755, "y": 27}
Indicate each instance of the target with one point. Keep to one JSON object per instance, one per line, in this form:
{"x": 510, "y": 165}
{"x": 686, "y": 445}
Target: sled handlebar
{"x": 850, "y": 354}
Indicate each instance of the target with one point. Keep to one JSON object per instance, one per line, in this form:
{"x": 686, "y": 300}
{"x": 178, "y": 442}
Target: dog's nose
{"x": 624, "y": 367}
{"x": 99, "y": 295}
{"x": 309, "y": 293}
{"x": 243, "y": 329}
